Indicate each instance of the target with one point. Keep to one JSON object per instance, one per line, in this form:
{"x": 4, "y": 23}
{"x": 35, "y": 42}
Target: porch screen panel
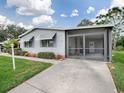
{"x": 76, "y": 46}
{"x": 94, "y": 46}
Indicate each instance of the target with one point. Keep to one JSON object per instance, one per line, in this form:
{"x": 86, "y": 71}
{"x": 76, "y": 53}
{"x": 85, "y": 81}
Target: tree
{"x": 120, "y": 42}
{"x": 114, "y": 16}
{"x": 85, "y": 22}
{"x": 13, "y": 31}
{"x": 10, "y": 32}
{"x": 2, "y": 35}
{"x": 7, "y": 44}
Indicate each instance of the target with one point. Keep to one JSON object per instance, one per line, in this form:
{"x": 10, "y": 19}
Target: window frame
{"x": 47, "y": 43}
{"x": 29, "y": 43}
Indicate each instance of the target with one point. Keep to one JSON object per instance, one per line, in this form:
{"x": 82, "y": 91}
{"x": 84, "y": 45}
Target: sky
{"x": 53, "y": 13}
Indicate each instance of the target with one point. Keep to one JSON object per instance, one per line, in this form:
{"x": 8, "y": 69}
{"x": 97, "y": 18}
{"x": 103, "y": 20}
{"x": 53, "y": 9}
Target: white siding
{"x": 60, "y": 40}
{"x": 58, "y": 49}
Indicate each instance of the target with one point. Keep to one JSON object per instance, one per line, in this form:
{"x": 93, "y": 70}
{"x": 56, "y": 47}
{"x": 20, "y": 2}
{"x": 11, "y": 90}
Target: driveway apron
{"x": 71, "y": 76}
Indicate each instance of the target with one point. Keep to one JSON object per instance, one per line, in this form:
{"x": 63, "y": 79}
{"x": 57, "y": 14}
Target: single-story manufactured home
{"x": 87, "y": 42}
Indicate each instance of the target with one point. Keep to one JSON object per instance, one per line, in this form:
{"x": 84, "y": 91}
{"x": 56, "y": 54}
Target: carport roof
{"x": 66, "y": 29}
{"x": 90, "y": 27}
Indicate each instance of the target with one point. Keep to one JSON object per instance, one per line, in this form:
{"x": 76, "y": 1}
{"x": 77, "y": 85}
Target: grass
{"x": 117, "y": 69}
{"x": 25, "y": 69}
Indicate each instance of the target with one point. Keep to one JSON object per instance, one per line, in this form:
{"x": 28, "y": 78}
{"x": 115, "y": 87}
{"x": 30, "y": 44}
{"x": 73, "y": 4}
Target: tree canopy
{"x": 10, "y": 32}
{"x": 114, "y": 16}
{"x": 85, "y": 22}
{"x": 8, "y": 43}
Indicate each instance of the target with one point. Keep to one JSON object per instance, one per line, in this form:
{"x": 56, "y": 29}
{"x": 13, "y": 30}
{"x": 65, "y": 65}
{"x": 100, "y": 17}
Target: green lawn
{"x": 118, "y": 70}
{"x": 24, "y": 70}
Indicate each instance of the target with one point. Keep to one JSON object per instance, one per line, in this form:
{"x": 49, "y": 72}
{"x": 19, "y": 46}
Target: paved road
{"x": 71, "y": 76}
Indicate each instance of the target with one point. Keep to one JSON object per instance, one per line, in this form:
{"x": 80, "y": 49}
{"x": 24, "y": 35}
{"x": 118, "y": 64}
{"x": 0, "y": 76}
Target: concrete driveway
{"x": 70, "y": 76}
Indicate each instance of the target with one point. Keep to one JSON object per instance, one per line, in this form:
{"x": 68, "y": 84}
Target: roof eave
{"x": 76, "y": 28}
{"x": 40, "y": 29}
{"x": 90, "y": 27}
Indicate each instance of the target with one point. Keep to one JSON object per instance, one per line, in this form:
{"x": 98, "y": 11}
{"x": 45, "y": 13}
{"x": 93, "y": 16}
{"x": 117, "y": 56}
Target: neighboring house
{"x": 1, "y": 44}
{"x": 89, "y": 42}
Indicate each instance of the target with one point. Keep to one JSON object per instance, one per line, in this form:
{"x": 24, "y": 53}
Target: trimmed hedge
{"x": 47, "y": 55}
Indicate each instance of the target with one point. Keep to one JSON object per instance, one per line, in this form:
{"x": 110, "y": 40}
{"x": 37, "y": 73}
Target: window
{"x": 50, "y": 43}
{"x": 26, "y": 44}
{"x": 47, "y": 43}
{"x": 29, "y": 43}
{"x": 44, "y": 43}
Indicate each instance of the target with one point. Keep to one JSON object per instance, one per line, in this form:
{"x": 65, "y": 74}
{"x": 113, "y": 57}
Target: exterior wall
{"x": 59, "y": 47}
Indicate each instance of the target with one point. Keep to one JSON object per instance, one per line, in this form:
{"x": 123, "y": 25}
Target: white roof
{"x": 66, "y": 29}
{"x": 92, "y": 26}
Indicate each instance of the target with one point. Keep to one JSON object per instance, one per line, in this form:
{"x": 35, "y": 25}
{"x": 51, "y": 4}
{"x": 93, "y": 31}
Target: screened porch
{"x": 90, "y": 46}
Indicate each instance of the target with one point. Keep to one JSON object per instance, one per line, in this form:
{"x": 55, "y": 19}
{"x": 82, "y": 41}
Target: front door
{"x": 91, "y": 47}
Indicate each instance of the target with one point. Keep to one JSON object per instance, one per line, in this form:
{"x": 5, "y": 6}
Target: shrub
{"x": 17, "y": 51}
{"x": 60, "y": 57}
{"x": 48, "y": 55}
{"x": 26, "y": 54}
{"x": 120, "y": 42}
{"x": 9, "y": 50}
{"x": 119, "y": 48}
{"x": 22, "y": 53}
{"x": 29, "y": 54}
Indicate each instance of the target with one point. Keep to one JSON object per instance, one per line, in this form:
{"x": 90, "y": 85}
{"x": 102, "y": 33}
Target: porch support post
{"x": 105, "y": 46}
{"x": 110, "y": 46}
{"x": 84, "y": 45}
{"x": 67, "y": 51}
